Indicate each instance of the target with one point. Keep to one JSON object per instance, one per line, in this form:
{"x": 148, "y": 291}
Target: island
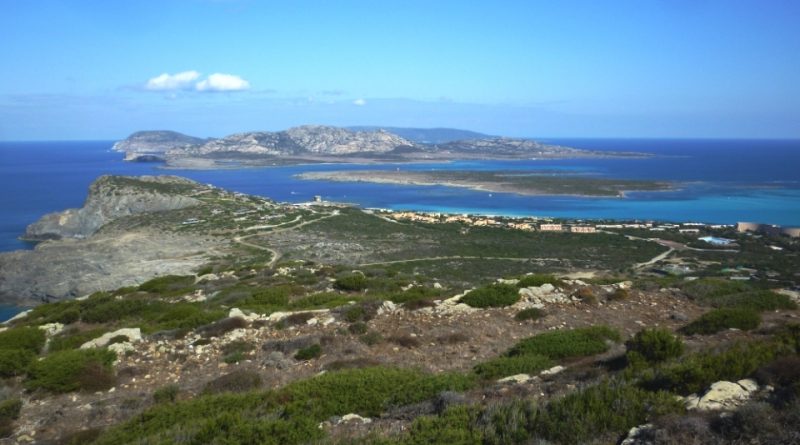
{"x": 316, "y": 144}
{"x": 530, "y": 183}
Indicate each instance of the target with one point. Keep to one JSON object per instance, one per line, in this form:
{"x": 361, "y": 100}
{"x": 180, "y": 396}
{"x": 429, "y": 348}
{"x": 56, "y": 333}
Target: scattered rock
{"x": 553, "y": 371}
{"x": 635, "y": 433}
{"x": 52, "y": 329}
{"x": 515, "y": 379}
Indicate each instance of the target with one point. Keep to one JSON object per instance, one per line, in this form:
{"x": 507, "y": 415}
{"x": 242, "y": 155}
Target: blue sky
{"x": 638, "y": 68}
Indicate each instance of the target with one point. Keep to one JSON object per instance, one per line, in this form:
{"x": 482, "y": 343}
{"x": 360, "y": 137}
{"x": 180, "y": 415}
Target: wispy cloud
{"x": 222, "y": 82}
{"x": 171, "y": 82}
{"x": 360, "y": 102}
{"x": 190, "y": 81}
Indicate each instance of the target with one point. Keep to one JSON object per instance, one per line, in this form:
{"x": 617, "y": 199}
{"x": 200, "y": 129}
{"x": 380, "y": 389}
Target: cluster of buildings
{"x": 768, "y": 229}
{"x": 487, "y": 221}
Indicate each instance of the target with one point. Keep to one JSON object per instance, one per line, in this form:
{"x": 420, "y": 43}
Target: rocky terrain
{"x": 240, "y": 320}
{"x": 313, "y": 143}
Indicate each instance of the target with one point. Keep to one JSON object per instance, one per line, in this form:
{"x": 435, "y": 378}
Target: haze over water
{"x": 719, "y": 181}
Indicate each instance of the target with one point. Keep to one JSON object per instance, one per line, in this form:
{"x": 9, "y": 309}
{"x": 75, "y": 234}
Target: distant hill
{"x": 426, "y": 135}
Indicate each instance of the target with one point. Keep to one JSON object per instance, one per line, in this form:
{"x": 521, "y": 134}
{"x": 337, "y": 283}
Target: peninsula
{"x": 314, "y": 143}
{"x": 522, "y": 183}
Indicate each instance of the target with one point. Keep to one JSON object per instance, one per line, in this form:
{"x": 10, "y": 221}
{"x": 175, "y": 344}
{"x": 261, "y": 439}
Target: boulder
{"x": 52, "y": 329}
{"x": 134, "y": 335}
{"x": 515, "y": 379}
{"x": 722, "y": 395}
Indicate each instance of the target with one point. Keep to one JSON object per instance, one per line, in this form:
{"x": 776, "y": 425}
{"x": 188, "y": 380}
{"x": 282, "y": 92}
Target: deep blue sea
{"x": 721, "y": 181}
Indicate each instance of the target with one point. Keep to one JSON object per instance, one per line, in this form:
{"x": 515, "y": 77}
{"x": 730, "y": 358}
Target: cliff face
{"x": 151, "y": 145}
{"x": 112, "y": 197}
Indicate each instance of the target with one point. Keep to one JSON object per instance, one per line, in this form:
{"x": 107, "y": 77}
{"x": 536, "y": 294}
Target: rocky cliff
{"x": 112, "y": 197}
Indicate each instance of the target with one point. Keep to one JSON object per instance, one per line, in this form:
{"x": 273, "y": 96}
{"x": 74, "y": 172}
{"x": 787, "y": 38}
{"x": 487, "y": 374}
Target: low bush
{"x": 298, "y": 319}
{"x": 9, "y": 412}
{"x": 81, "y": 437}
{"x": 405, "y": 341}
{"x": 70, "y": 370}
{"x": 358, "y": 328}
{"x": 761, "y": 300}
{"x": 290, "y": 345}
{"x": 354, "y": 314}
{"x": 618, "y": 295}
{"x": 308, "y": 353}
{"x": 493, "y": 295}
{"x": 655, "y": 345}
{"x": 271, "y": 296}
{"x": 452, "y": 338}
{"x": 414, "y": 305}
{"x": 166, "y": 394}
{"x": 26, "y": 338}
{"x": 351, "y": 282}
{"x": 237, "y": 381}
{"x": 222, "y": 327}
{"x": 14, "y": 362}
{"x": 567, "y": 343}
{"x": 725, "y": 318}
{"x": 415, "y": 293}
{"x": 371, "y": 338}
{"x": 168, "y": 284}
{"x": 530, "y": 314}
{"x": 536, "y": 280}
{"x": 73, "y": 339}
{"x": 586, "y": 294}
{"x": 355, "y": 363}
{"x": 597, "y": 411}
{"x": 707, "y": 290}
{"x": 456, "y": 425}
{"x": 507, "y": 366}
{"x": 696, "y": 372}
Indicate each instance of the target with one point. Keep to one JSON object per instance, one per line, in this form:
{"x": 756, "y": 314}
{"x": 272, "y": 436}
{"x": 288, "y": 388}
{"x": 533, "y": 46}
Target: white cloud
{"x": 360, "y": 102}
{"x": 171, "y": 82}
{"x": 222, "y": 82}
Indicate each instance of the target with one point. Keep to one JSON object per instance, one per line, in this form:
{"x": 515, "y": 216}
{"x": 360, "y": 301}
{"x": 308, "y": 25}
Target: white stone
{"x": 722, "y": 395}
{"x": 52, "y": 329}
{"x": 121, "y": 348}
{"x": 631, "y": 438}
{"x": 354, "y": 418}
{"x": 437, "y": 285}
{"x": 134, "y": 335}
{"x": 749, "y": 385}
{"x": 517, "y": 378}
{"x": 552, "y": 371}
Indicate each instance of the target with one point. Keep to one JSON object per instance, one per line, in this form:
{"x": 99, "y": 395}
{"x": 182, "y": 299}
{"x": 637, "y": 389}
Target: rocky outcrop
{"x": 151, "y": 145}
{"x": 112, "y": 197}
{"x": 723, "y": 395}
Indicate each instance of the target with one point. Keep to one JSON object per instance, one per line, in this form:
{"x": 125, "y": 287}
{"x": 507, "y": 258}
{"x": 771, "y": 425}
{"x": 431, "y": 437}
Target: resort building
{"x": 582, "y": 229}
{"x": 551, "y": 228}
{"x": 768, "y": 229}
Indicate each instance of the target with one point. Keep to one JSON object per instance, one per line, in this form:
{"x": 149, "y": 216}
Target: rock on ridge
{"x": 112, "y": 197}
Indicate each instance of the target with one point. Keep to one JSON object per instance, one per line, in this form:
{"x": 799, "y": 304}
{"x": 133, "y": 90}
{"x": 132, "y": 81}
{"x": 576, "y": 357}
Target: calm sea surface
{"x": 722, "y": 181}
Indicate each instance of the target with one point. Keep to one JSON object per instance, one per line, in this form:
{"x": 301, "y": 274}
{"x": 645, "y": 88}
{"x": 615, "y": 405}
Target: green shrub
{"x": 9, "y": 412}
{"x": 457, "y": 425}
{"x": 71, "y": 370}
{"x": 655, "y": 345}
{"x": 609, "y": 407}
{"x": 429, "y": 386}
{"x": 166, "y": 394}
{"x": 530, "y": 314}
{"x": 167, "y": 284}
{"x": 586, "y": 294}
{"x": 416, "y": 293}
{"x": 725, "y": 318}
{"x": 27, "y": 338}
{"x": 240, "y": 380}
{"x": 567, "y": 343}
{"x": 271, "y": 296}
{"x": 493, "y": 295}
{"x": 351, "y": 282}
{"x": 321, "y": 300}
{"x": 354, "y": 314}
{"x": 696, "y": 372}
{"x": 506, "y": 366}
{"x": 761, "y": 300}
{"x": 73, "y": 339}
{"x": 233, "y": 358}
{"x": 358, "y": 328}
{"x": 14, "y": 362}
{"x": 706, "y": 290}
{"x": 308, "y": 353}
{"x": 106, "y": 309}
{"x": 537, "y": 280}
{"x": 371, "y": 338}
